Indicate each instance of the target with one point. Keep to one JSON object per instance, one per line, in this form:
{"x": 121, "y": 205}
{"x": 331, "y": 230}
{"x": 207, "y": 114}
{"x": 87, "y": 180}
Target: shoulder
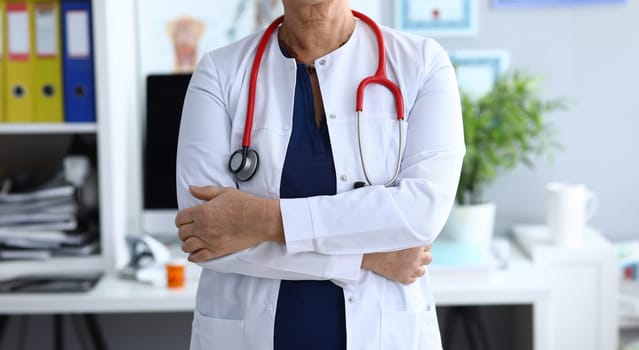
{"x": 415, "y": 49}
{"x": 228, "y": 60}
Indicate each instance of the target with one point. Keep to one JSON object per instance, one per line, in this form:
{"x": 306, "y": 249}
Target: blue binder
{"x": 77, "y": 61}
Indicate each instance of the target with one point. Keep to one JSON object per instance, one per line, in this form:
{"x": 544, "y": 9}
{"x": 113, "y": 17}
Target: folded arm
{"x": 203, "y": 151}
{"x": 315, "y": 238}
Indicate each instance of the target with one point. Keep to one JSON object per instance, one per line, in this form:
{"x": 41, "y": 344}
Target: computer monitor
{"x": 164, "y": 101}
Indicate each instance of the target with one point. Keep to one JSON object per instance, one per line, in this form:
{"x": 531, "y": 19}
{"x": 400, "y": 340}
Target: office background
{"x": 587, "y": 54}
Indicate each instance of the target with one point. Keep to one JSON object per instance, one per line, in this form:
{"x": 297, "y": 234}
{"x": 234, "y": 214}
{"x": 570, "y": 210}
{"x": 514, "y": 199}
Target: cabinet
{"x": 116, "y": 104}
{"x": 584, "y": 284}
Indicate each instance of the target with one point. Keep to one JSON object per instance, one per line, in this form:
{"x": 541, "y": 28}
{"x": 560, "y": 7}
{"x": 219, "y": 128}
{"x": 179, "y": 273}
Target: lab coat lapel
{"x": 275, "y": 94}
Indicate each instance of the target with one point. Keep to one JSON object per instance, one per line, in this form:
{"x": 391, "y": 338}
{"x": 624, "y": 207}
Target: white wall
{"x": 590, "y": 56}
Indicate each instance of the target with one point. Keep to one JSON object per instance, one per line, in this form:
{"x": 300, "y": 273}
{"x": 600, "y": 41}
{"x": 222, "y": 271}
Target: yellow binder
{"x": 2, "y": 59}
{"x": 19, "y": 95}
{"x": 47, "y": 61}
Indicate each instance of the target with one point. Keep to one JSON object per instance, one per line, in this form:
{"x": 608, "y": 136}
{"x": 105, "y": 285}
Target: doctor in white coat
{"x": 367, "y": 242}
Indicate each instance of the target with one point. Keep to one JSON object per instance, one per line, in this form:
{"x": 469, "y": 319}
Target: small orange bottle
{"x": 175, "y": 274}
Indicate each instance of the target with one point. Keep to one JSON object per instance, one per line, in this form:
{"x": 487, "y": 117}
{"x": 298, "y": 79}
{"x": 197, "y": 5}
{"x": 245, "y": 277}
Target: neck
{"x": 313, "y": 31}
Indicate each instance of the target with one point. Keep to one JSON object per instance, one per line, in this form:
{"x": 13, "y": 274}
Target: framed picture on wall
{"x": 540, "y": 3}
{"x": 174, "y": 35}
{"x": 437, "y": 18}
{"x": 477, "y": 70}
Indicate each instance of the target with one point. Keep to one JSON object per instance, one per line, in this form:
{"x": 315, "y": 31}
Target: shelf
{"x": 10, "y": 269}
{"x": 47, "y": 128}
{"x": 628, "y": 323}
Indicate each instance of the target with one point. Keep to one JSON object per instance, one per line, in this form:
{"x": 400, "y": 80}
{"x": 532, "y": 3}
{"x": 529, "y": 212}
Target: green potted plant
{"x": 502, "y": 129}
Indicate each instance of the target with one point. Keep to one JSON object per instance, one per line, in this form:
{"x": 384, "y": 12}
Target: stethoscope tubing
{"x": 248, "y": 127}
{"x": 380, "y": 78}
{"x": 399, "y": 152}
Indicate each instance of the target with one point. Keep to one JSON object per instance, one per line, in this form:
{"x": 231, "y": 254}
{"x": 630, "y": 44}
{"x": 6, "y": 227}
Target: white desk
{"x": 524, "y": 282}
{"x": 515, "y": 285}
{"x": 110, "y": 295}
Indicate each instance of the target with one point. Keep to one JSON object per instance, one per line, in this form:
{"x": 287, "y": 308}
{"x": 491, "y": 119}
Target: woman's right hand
{"x": 404, "y": 266}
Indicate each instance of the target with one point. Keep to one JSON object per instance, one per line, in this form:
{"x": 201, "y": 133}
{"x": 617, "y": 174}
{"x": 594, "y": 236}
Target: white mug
{"x": 568, "y": 208}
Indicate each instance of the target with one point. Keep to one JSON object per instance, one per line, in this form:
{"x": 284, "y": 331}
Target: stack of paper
{"x": 42, "y": 224}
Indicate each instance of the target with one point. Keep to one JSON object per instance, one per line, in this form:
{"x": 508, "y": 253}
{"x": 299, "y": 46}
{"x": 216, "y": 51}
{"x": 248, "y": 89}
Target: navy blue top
{"x": 310, "y": 314}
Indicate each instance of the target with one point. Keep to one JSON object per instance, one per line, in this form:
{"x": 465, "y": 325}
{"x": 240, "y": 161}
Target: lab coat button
{"x": 344, "y": 178}
{"x": 428, "y": 307}
{"x": 269, "y": 307}
{"x": 322, "y": 62}
{"x": 351, "y": 300}
{"x": 332, "y": 116}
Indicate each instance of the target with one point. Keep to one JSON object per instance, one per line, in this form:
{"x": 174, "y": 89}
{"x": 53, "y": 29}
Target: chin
{"x": 309, "y": 2}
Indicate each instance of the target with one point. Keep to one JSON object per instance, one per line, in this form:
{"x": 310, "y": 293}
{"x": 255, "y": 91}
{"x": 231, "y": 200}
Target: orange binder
{"x": 19, "y": 96}
{"x": 47, "y": 61}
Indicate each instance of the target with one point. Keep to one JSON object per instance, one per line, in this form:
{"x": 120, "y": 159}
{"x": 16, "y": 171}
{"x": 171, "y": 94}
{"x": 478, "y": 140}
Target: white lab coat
{"x": 326, "y": 236}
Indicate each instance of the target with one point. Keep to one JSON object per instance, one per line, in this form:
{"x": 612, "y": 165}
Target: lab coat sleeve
{"x": 202, "y": 156}
{"x": 381, "y": 219}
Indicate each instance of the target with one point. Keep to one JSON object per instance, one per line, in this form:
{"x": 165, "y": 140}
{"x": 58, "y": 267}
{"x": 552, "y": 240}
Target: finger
{"x": 421, "y": 271}
{"x": 192, "y": 244}
{"x": 408, "y": 281}
{"x": 185, "y": 216}
{"x": 207, "y": 193}
{"x": 201, "y": 256}
{"x": 427, "y": 258}
{"x": 186, "y": 231}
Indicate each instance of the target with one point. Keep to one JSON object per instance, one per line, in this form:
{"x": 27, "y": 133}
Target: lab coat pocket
{"x": 379, "y": 135}
{"x": 215, "y": 333}
{"x": 410, "y": 331}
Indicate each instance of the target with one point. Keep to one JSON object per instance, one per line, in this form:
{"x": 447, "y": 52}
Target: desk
{"x": 110, "y": 295}
{"x": 522, "y": 283}
{"x": 519, "y": 284}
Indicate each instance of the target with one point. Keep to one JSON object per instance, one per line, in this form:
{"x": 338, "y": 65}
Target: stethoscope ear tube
{"x": 400, "y": 123}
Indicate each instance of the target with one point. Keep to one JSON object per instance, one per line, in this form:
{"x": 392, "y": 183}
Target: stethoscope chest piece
{"x": 243, "y": 164}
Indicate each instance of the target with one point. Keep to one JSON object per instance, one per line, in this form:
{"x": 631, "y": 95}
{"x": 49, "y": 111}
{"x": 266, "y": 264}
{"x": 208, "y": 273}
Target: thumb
{"x": 206, "y": 192}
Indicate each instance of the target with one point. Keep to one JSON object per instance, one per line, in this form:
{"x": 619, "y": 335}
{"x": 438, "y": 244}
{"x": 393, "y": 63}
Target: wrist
{"x": 366, "y": 262}
{"x": 274, "y": 231}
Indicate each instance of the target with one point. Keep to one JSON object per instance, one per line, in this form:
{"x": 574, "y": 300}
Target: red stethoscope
{"x": 244, "y": 162}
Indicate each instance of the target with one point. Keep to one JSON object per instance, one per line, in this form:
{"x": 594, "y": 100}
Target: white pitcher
{"x": 568, "y": 209}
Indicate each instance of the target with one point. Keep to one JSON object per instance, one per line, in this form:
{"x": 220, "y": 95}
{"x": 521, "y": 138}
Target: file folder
{"x": 19, "y": 96}
{"x": 2, "y": 59}
{"x": 78, "y": 69}
{"x": 47, "y": 73}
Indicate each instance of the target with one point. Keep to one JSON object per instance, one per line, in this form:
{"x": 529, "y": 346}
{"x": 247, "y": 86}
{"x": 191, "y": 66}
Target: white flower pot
{"x": 471, "y": 224}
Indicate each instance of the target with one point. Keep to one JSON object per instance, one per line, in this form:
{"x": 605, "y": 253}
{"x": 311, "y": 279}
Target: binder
{"x": 77, "y": 61}
{"x": 47, "y": 65}
{"x": 2, "y": 59}
{"x": 19, "y": 96}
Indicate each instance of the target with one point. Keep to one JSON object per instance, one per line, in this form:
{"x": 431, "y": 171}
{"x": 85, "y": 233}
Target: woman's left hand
{"x": 228, "y": 222}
